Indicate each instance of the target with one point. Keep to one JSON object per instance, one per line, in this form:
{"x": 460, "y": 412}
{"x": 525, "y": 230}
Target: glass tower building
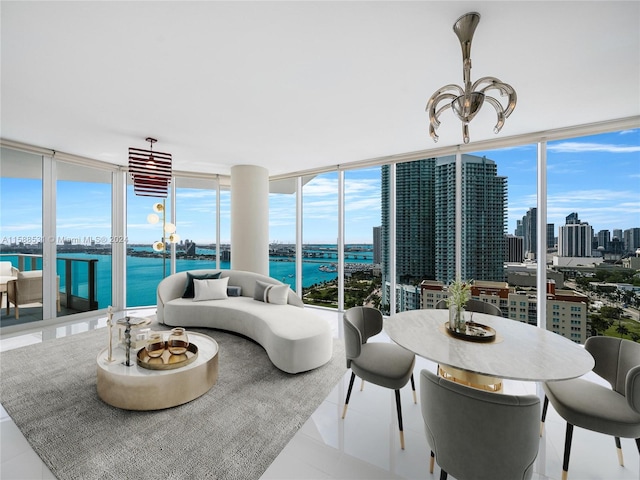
{"x": 484, "y": 202}
{"x": 426, "y": 217}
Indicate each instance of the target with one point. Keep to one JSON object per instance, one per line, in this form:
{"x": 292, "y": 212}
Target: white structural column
{"x": 299, "y": 218}
{"x": 541, "y": 236}
{"x": 119, "y": 233}
{"x": 250, "y": 219}
{"x": 49, "y": 245}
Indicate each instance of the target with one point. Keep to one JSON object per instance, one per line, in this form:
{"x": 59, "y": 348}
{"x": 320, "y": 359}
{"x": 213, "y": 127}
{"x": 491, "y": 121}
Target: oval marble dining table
{"x": 519, "y": 352}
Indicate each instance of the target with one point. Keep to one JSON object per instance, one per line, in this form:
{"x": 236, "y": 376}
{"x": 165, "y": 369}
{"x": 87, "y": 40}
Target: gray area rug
{"x": 234, "y": 431}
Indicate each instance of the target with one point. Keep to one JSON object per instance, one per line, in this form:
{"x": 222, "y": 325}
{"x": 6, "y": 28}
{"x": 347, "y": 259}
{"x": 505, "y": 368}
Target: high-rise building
{"x": 425, "y": 220}
{"x": 551, "y": 237}
{"x": 616, "y": 247}
{"x": 574, "y": 238}
{"x": 572, "y": 218}
{"x": 415, "y": 228}
{"x": 519, "y": 232}
{"x": 484, "y": 202}
{"x": 527, "y": 228}
{"x": 604, "y": 238}
{"x": 529, "y": 232}
{"x": 631, "y": 239}
{"x": 377, "y": 245}
{"x": 515, "y": 249}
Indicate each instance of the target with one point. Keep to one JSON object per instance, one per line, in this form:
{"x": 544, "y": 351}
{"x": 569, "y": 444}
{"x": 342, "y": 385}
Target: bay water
{"x": 145, "y": 272}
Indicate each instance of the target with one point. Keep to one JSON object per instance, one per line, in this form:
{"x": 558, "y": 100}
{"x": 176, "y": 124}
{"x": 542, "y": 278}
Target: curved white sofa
{"x": 294, "y": 338}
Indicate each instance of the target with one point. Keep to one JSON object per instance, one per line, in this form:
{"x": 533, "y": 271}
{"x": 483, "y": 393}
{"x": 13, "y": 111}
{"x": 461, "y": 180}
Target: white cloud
{"x": 590, "y": 196}
{"x": 603, "y": 209}
{"x": 191, "y": 194}
{"x": 581, "y": 147}
{"x": 320, "y": 187}
{"x": 21, "y": 227}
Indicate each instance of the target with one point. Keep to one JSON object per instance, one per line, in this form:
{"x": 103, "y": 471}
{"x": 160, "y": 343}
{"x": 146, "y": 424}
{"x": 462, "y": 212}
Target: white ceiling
{"x": 294, "y": 86}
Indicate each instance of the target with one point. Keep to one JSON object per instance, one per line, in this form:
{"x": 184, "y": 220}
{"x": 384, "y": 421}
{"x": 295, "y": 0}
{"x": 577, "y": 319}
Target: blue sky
{"x": 596, "y": 176}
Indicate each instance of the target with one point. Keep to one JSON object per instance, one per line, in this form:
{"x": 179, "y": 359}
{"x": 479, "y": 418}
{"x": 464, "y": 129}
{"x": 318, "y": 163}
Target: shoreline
{"x": 145, "y": 269}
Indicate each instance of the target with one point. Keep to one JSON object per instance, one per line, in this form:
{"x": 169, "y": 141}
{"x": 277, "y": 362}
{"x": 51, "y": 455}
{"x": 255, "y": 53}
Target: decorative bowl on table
{"x": 167, "y": 361}
{"x": 473, "y": 332}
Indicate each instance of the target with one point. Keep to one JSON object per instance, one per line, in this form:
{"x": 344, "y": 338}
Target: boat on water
{"x": 328, "y": 268}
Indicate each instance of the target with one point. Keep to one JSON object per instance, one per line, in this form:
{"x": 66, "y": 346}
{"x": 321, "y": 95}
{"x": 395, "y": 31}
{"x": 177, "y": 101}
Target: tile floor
{"x": 365, "y": 445}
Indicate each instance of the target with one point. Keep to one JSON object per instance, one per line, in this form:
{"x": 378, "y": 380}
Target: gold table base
{"x": 475, "y": 380}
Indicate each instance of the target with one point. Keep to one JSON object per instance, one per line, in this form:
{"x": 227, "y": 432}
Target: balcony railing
{"x": 78, "y": 282}
{"x": 78, "y": 286}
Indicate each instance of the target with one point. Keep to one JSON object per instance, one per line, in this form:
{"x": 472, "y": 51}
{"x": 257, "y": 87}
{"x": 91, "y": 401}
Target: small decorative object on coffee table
{"x": 166, "y": 360}
{"x": 139, "y": 332}
{"x": 155, "y": 346}
{"x": 129, "y": 323}
{"x": 178, "y": 341}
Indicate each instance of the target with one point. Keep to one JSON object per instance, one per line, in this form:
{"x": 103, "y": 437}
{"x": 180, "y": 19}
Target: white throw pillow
{"x": 210, "y": 289}
{"x": 277, "y": 294}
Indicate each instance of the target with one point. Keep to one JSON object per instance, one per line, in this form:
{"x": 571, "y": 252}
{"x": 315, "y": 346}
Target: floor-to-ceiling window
{"x": 499, "y": 224}
{"x": 320, "y": 233}
{"x": 21, "y": 232}
{"x": 415, "y": 230}
{"x": 149, "y": 226}
{"x": 84, "y": 238}
{"x": 282, "y": 231}
{"x": 362, "y": 237}
{"x": 587, "y": 184}
{"x": 408, "y": 223}
{"x": 225, "y": 227}
{"x": 454, "y": 217}
{"x": 196, "y": 223}
{"x": 154, "y": 232}
{"x": 593, "y": 200}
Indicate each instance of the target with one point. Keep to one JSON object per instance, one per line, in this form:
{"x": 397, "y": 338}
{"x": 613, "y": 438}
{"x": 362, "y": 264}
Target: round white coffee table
{"x": 138, "y": 388}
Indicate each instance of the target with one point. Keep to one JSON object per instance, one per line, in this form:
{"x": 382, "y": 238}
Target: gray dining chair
{"x": 613, "y": 411}
{"x": 478, "y": 435}
{"x": 385, "y": 364}
{"x": 474, "y": 305}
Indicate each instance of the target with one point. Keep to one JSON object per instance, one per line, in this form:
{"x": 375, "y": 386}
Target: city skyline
{"x": 596, "y": 176}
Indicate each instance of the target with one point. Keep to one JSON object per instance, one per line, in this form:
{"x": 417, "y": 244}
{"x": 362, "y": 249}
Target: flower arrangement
{"x": 459, "y": 294}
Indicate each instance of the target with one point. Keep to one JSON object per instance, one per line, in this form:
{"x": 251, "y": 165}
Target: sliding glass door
{"x": 21, "y": 237}
{"x": 282, "y": 232}
{"x": 362, "y": 235}
{"x": 320, "y": 234}
{"x": 84, "y": 244}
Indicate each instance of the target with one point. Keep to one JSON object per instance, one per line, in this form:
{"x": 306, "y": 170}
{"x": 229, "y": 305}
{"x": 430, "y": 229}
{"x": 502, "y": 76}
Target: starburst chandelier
{"x": 466, "y": 102}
